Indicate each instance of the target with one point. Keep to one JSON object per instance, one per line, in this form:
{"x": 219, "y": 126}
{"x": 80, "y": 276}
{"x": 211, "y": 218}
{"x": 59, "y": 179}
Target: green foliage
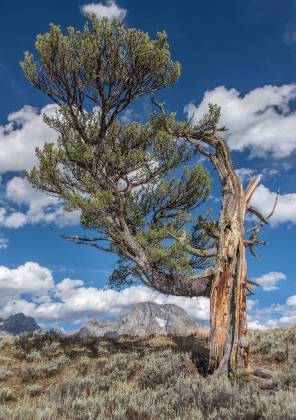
{"x": 105, "y": 63}
{"x": 133, "y": 184}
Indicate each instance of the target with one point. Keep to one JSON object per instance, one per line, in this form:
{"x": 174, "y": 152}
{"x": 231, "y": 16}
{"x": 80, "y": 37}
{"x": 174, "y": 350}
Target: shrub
{"x": 132, "y": 380}
{"x": 5, "y": 373}
{"x": 34, "y": 389}
{"x": 7, "y": 394}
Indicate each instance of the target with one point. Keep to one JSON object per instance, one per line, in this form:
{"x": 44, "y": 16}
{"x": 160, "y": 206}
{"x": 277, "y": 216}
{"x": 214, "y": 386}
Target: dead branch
{"x": 251, "y": 188}
{"x": 256, "y": 212}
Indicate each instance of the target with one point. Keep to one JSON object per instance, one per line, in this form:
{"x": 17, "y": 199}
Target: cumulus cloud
{"x": 28, "y": 278}
{"x": 261, "y": 121}
{"x": 109, "y": 10}
{"x": 12, "y": 220}
{"x": 39, "y": 207}
{"x": 31, "y": 289}
{"x": 71, "y": 300}
{"x": 263, "y": 199}
{"x": 291, "y": 301}
{"x": 273, "y": 316}
{"x": 20, "y": 191}
{"x": 76, "y": 301}
{"x": 270, "y": 280}
{"x": 22, "y": 205}
{"x": 24, "y": 131}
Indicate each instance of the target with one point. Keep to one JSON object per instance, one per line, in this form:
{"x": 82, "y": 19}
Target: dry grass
{"x": 50, "y": 377}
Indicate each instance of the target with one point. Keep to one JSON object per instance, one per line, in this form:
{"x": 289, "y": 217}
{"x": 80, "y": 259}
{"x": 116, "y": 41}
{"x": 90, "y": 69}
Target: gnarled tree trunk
{"x": 228, "y": 349}
{"x": 228, "y": 293}
{"x": 229, "y": 344}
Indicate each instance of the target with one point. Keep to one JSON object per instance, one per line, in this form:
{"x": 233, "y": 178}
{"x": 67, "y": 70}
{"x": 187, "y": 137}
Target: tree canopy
{"x": 135, "y": 185}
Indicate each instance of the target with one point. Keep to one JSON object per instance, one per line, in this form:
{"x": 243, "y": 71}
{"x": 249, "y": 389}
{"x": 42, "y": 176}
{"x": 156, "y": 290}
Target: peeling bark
{"x": 228, "y": 296}
{"x": 228, "y": 293}
{"x": 229, "y": 285}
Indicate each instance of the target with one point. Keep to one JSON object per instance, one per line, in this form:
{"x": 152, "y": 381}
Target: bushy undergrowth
{"x": 45, "y": 377}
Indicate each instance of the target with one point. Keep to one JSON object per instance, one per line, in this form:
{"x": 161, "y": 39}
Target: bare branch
{"x": 256, "y": 212}
{"x": 275, "y": 204}
{"x": 85, "y": 238}
{"x": 198, "y": 146}
{"x": 251, "y": 188}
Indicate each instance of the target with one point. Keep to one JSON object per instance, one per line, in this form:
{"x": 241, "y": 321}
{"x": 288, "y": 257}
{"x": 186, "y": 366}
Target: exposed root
{"x": 260, "y": 371}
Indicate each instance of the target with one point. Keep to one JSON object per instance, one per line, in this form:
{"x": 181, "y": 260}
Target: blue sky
{"x": 236, "y": 53}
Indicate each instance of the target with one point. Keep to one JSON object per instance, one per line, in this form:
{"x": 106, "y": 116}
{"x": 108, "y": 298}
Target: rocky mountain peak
{"x": 151, "y": 318}
{"x": 18, "y": 324}
{"x": 143, "y": 319}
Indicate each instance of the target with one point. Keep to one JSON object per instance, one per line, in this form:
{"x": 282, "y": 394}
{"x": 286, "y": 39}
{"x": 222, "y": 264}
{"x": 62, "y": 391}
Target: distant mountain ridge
{"x": 145, "y": 318}
{"x": 94, "y": 328}
{"x": 19, "y": 324}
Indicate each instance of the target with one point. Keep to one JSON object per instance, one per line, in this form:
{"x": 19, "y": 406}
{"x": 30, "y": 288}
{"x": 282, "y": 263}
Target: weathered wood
{"x": 229, "y": 286}
{"x": 262, "y": 372}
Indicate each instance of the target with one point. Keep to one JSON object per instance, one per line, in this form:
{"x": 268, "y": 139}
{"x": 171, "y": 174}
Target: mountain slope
{"x": 95, "y": 328}
{"x": 150, "y": 318}
{"x": 143, "y": 319}
{"x": 18, "y": 324}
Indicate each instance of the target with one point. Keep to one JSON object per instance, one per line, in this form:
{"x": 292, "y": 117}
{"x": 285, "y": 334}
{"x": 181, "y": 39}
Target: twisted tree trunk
{"x": 228, "y": 293}
{"x": 229, "y": 345}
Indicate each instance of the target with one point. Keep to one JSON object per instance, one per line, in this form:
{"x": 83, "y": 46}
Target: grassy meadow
{"x": 47, "y": 376}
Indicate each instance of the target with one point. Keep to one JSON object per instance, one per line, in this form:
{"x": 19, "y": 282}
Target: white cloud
{"x": 251, "y": 304}
{"x": 23, "y": 205}
{"x": 245, "y": 174}
{"x": 109, "y": 10}
{"x": 24, "y": 131}
{"x": 274, "y": 316}
{"x": 270, "y": 280}
{"x": 70, "y": 300}
{"x": 256, "y": 325}
{"x": 67, "y": 288}
{"x": 260, "y": 121}
{"x": 129, "y": 116}
{"x": 15, "y": 306}
{"x": 3, "y": 243}
{"x": 291, "y": 301}
{"x": 30, "y": 288}
{"x": 27, "y": 278}
{"x": 14, "y": 220}
{"x": 40, "y": 207}
{"x": 263, "y": 199}
{"x": 20, "y": 191}
{"x": 77, "y": 301}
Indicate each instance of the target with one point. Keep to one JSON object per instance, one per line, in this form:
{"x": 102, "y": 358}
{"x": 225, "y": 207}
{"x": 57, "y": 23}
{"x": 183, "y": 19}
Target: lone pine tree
{"x": 135, "y": 184}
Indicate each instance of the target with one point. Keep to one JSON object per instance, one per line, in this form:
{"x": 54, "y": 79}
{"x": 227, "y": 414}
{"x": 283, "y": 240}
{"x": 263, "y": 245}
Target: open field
{"x": 46, "y": 376}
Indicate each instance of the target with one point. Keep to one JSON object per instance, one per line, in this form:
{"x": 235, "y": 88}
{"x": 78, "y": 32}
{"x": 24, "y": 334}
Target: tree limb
{"x": 256, "y": 212}
{"x": 251, "y": 188}
{"x": 206, "y": 253}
